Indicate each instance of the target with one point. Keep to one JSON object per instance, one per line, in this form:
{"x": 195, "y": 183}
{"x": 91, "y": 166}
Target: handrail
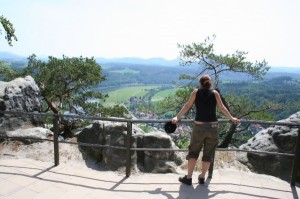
{"x": 115, "y": 119}
{"x": 218, "y": 149}
{"x": 148, "y": 149}
{"x": 128, "y": 147}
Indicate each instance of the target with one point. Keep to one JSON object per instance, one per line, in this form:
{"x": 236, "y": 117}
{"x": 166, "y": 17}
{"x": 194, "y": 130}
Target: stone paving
{"x": 27, "y": 178}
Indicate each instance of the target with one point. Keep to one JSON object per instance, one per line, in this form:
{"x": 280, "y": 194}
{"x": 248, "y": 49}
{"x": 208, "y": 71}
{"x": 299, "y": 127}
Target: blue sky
{"x": 266, "y": 29}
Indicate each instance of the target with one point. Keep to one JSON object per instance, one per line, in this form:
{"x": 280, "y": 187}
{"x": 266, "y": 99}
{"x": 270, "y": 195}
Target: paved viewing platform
{"x": 27, "y": 178}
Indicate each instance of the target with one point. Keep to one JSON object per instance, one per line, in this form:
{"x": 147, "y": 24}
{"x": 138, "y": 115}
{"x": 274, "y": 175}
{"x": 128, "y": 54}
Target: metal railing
{"x": 128, "y": 147}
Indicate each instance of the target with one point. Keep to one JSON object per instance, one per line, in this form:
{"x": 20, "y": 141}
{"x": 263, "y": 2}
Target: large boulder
{"x": 110, "y": 134}
{"x": 114, "y": 134}
{"x": 157, "y": 161}
{"x": 21, "y": 94}
{"x": 30, "y": 135}
{"x": 280, "y": 139}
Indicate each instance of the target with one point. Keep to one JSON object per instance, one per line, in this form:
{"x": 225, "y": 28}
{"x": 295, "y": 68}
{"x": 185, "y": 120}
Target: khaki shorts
{"x": 203, "y": 135}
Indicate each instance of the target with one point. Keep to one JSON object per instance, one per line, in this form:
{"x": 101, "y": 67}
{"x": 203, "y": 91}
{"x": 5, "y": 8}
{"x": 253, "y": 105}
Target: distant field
{"x": 162, "y": 94}
{"x": 124, "y": 94}
{"x": 125, "y": 71}
{"x": 105, "y": 67}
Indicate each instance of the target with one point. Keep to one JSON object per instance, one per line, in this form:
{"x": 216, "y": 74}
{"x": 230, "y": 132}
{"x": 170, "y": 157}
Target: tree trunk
{"x": 228, "y": 138}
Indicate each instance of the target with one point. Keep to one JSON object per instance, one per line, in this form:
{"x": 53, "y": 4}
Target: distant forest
{"x": 282, "y": 87}
{"x": 282, "y": 90}
{"x": 276, "y": 87}
{"x": 119, "y": 74}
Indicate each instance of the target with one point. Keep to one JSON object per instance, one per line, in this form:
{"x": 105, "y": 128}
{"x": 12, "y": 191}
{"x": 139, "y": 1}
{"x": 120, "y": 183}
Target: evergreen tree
{"x": 65, "y": 86}
{"x": 202, "y": 55}
{"x": 8, "y": 29}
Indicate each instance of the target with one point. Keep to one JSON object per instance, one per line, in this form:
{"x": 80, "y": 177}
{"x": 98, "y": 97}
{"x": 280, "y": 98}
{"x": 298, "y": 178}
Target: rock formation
{"x": 29, "y": 135}
{"x": 21, "y": 94}
{"x": 114, "y": 134}
{"x": 280, "y": 139}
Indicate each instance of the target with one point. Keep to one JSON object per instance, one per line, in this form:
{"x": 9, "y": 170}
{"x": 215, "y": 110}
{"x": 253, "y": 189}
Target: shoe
{"x": 185, "y": 180}
{"x": 201, "y": 180}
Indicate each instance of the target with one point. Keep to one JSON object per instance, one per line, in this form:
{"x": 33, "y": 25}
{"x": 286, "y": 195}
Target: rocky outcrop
{"x": 281, "y": 139}
{"x": 114, "y": 134}
{"x": 159, "y": 162}
{"x": 30, "y": 135}
{"x": 111, "y": 134}
{"x": 21, "y": 94}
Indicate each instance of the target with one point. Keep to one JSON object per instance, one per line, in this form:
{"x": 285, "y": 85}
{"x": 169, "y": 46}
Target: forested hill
{"x": 160, "y": 71}
{"x": 119, "y": 74}
{"x": 121, "y": 71}
{"x": 280, "y": 85}
{"x": 122, "y": 74}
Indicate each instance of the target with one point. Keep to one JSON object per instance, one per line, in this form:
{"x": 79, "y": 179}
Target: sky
{"x": 266, "y": 29}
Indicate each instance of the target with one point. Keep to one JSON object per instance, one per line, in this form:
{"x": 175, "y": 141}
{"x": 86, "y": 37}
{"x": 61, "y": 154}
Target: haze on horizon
{"x": 266, "y": 29}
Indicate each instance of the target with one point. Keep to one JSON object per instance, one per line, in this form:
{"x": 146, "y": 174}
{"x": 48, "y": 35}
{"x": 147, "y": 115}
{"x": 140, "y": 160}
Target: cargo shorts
{"x": 203, "y": 135}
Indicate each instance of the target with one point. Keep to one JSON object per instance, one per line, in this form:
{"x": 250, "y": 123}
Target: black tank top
{"x": 205, "y": 103}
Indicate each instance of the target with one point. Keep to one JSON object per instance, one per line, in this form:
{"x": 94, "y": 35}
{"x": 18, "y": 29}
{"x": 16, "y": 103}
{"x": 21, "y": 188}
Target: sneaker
{"x": 185, "y": 180}
{"x": 201, "y": 180}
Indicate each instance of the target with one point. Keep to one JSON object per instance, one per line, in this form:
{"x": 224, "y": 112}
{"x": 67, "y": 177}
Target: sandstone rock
{"x": 281, "y": 139}
{"x": 158, "y": 162}
{"x": 28, "y": 136}
{"x": 91, "y": 134}
{"x": 114, "y": 134}
{"x": 21, "y": 94}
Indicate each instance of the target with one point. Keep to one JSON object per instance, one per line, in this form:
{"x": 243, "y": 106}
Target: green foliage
{"x": 183, "y": 142}
{"x": 243, "y": 107}
{"x": 66, "y": 84}
{"x": 7, "y": 72}
{"x": 146, "y": 128}
{"x": 203, "y": 54}
{"x": 277, "y": 93}
{"x": 174, "y": 103}
{"x": 9, "y": 30}
{"x": 113, "y": 111}
{"x": 208, "y": 61}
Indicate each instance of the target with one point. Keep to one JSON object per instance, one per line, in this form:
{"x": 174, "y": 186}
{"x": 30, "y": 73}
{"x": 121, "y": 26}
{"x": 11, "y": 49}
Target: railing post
{"x": 56, "y": 148}
{"x": 295, "y": 168}
{"x": 128, "y": 146}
